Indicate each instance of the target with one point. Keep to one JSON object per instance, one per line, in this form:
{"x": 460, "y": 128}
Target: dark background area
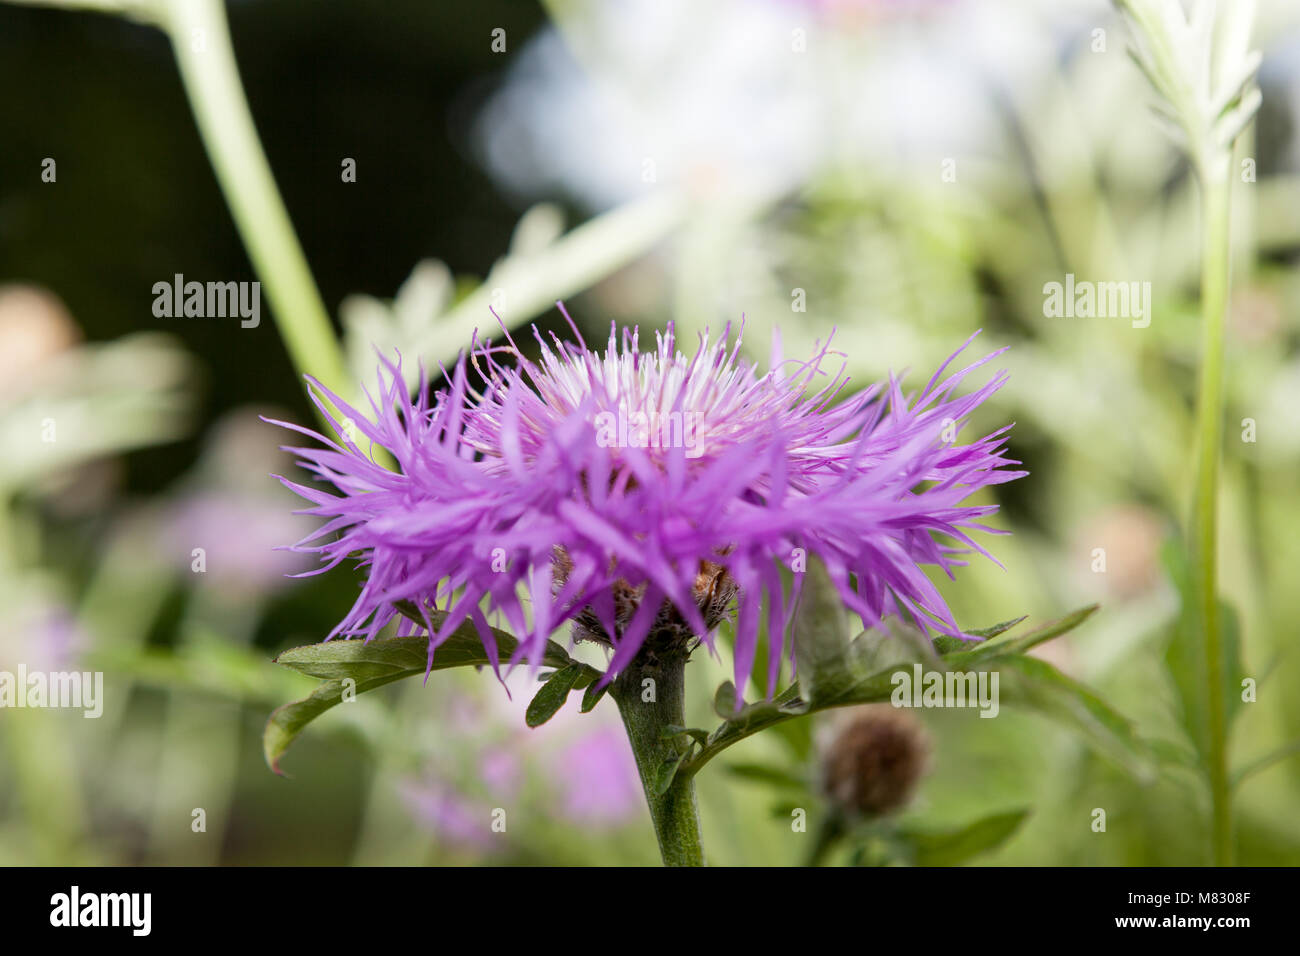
{"x": 391, "y": 85}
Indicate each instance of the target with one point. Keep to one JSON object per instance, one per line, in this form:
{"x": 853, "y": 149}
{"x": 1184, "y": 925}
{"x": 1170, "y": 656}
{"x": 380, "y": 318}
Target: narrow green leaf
{"x": 1185, "y": 655}
{"x": 944, "y": 644}
{"x": 951, "y": 847}
{"x": 773, "y": 776}
{"x": 1036, "y": 683}
{"x": 667, "y": 771}
{"x": 359, "y": 665}
{"x": 1003, "y": 645}
{"x": 1268, "y": 760}
{"x": 592, "y": 696}
{"x": 552, "y": 695}
{"x": 288, "y": 721}
{"x": 996, "y": 629}
{"x": 553, "y": 656}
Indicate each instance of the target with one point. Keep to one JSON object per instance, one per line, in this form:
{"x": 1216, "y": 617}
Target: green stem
{"x": 1215, "y": 193}
{"x": 201, "y": 40}
{"x": 674, "y": 813}
{"x": 829, "y": 834}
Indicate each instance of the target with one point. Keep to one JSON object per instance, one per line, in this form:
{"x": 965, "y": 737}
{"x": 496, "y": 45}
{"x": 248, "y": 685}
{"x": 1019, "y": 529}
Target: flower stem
{"x": 1215, "y": 193}
{"x": 201, "y": 40}
{"x": 674, "y": 812}
{"x": 828, "y": 836}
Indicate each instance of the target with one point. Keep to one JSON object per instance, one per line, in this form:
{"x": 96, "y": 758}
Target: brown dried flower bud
{"x": 874, "y": 760}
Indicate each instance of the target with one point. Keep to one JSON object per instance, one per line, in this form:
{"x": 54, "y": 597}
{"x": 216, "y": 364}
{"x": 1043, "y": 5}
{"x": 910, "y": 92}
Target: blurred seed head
{"x": 873, "y": 759}
{"x": 35, "y": 327}
{"x": 1131, "y": 534}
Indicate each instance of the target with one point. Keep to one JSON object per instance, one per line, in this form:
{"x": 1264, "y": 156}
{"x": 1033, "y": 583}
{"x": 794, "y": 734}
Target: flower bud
{"x": 874, "y": 760}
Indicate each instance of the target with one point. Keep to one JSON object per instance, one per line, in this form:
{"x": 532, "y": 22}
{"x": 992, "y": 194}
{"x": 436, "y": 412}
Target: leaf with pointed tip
{"x": 288, "y": 721}
{"x": 359, "y": 665}
{"x": 1185, "y": 656}
{"x": 552, "y": 695}
{"x": 948, "y": 645}
{"x": 592, "y": 696}
{"x": 1034, "y": 682}
{"x": 553, "y": 656}
{"x": 772, "y": 776}
{"x": 951, "y": 847}
{"x": 1084, "y": 709}
{"x": 1005, "y": 645}
{"x": 667, "y": 771}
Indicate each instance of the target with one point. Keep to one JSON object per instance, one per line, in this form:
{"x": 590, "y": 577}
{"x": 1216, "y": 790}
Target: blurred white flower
{"x": 757, "y": 94}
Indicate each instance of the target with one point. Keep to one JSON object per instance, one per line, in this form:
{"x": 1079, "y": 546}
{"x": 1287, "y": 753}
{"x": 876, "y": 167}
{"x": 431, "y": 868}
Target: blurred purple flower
{"x": 598, "y": 779}
{"x": 42, "y": 633}
{"x": 241, "y": 536}
{"x": 500, "y": 771}
{"x": 637, "y": 494}
{"x": 453, "y": 817}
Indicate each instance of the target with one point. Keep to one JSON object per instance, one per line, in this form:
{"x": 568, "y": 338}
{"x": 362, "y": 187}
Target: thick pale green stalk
{"x": 674, "y": 813}
{"x": 201, "y": 40}
{"x": 1215, "y": 193}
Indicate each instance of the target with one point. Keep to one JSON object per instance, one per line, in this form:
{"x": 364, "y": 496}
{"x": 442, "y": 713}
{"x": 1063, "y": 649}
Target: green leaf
{"x": 552, "y": 695}
{"x": 1036, "y": 683}
{"x": 773, "y": 776}
{"x": 553, "y": 656}
{"x": 951, "y": 847}
{"x": 288, "y": 721}
{"x": 1186, "y": 657}
{"x": 592, "y": 696}
{"x": 724, "y": 700}
{"x": 995, "y": 629}
{"x": 667, "y": 771}
{"x": 821, "y": 634}
{"x": 1265, "y": 762}
{"x": 724, "y": 705}
{"x": 1005, "y": 645}
{"x": 948, "y": 645}
{"x": 370, "y": 664}
{"x": 879, "y": 648}
{"x": 701, "y": 737}
{"x": 855, "y": 682}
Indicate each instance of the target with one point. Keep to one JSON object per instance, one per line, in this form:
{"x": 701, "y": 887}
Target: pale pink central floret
{"x": 654, "y": 400}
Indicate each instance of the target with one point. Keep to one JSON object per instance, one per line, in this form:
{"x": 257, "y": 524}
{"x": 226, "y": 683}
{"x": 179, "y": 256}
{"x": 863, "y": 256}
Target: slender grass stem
{"x": 200, "y": 37}
{"x": 1215, "y": 193}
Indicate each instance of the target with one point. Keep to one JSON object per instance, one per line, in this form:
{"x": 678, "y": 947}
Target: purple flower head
{"x": 641, "y": 494}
